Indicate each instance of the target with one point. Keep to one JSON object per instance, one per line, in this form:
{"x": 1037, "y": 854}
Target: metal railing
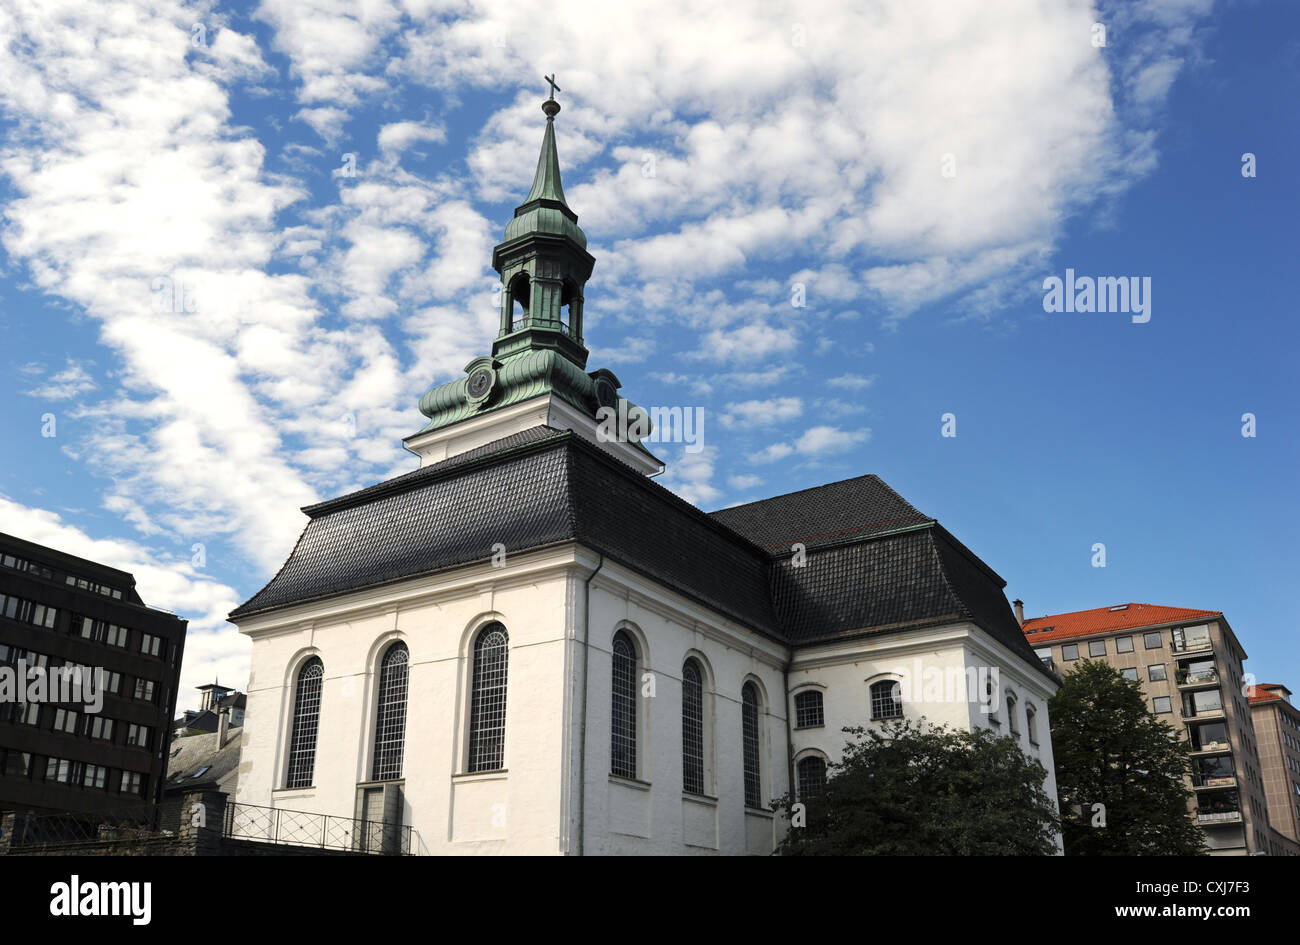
{"x": 1214, "y": 780}
{"x": 127, "y": 823}
{"x": 164, "y": 821}
{"x": 520, "y": 323}
{"x": 1218, "y": 817}
{"x": 1187, "y": 679}
{"x": 324, "y": 831}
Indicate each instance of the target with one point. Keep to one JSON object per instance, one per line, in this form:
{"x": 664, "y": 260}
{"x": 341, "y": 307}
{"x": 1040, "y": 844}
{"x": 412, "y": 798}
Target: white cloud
{"x": 750, "y": 414}
{"x": 72, "y": 381}
{"x": 851, "y": 381}
{"x": 812, "y": 443}
{"x": 824, "y": 439}
{"x": 400, "y": 135}
{"x": 690, "y": 475}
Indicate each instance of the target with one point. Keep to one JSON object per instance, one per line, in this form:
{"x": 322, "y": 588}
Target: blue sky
{"x": 803, "y": 143}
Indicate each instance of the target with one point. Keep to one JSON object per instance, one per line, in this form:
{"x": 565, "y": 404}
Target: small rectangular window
{"x": 1123, "y": 644}
{"x": 1156, "y": 672}
{"x": 1070, "y": 652}
{"x": 1130, "y": 673}
{"x": 1152, "y": 640}
{"x": 1096, "y": 647}
{"x": 1162, "y": 705}
{"x": 65, "y": 720}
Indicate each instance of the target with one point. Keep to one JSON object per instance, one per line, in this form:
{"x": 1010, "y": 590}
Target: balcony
{"x": 1210, "y": 748}
{"x": 1202, "y": 782}
{"x": 1202, "y": 680}
{"x": 1219, "y": 817}
{"x": 1191, "y": 713}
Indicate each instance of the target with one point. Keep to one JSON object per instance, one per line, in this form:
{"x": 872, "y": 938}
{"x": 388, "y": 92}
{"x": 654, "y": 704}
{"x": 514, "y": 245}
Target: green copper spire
{"x": 544, "y": 210}
{"x": 546, "y": 182}
{"x": 538, "y": 356}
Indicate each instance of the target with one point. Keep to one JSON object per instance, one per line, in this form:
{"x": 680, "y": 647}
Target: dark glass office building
{"x": 63, "y": 618}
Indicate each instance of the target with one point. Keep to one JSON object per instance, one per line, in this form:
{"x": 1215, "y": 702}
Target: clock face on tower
{"x": 480, "y": 383}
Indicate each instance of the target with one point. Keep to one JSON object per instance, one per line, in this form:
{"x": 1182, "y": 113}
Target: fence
{"x": 299, "y": 828}
{"x": 183, "y": 823}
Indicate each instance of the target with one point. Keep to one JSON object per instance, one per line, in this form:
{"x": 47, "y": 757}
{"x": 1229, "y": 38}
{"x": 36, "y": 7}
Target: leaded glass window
{"x": 622, "y": 737}
{"x": 390, "y": 717}
{"x": 692, "y": 728}
{"x": 487, "y": 718}
{"x": 306, "y": 718}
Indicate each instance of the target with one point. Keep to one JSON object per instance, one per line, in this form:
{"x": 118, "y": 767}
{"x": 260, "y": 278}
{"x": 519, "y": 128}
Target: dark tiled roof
{"x": 534, "y": 489}
{"x": 874, "y": 564}
{"x": 824, "y": 515}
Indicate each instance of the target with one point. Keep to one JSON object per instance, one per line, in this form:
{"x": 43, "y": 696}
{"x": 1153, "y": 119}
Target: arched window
{"x": 1011, "y": 715}
{"x": 692, "y": 728}
{"x": 749, "y": 706}
{"x": 487, "y": 714}
{"x": 390, "y": 717}
{"x": 1030, "y": 713}
{"x": 517, "y": 301}
{"x": 622, "y": 734}
{"x": 812, "y": 776}
{"x": 886, "y": 700}
{"x": 808, "y": 711}
{"x": 306, "y": 718}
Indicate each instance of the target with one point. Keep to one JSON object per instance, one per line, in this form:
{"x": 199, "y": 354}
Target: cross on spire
{"x": 554, "y": 88}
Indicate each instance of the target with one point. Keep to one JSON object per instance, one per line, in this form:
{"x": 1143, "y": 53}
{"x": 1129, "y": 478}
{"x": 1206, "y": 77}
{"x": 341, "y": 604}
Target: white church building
{"x": 528, "y": 646}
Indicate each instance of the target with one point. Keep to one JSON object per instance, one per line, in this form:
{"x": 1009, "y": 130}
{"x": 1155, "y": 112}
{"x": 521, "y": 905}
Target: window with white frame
{"x": 390, "y": 715}
{"x": 886, "y": 700}
{"x": 487, "y": 716}
{"x": 750, "y": 705}
{"x": 808, "y": 709}
{"x": 692, "y": 728}
{"x": 812, "y": 776}
{"x": 306, "y": 721}
{"x": 622, "y": 720}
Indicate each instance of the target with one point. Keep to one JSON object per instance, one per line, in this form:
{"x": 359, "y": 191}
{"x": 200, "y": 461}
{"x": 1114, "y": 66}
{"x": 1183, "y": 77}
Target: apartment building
{"x": 88, "y": 679}
{"x": 1189, "y": 664}
{"x": 1277, "y": 729}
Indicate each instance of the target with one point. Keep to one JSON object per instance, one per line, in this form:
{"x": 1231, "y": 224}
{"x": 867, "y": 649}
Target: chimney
{"x": 1020, "y": 611}
{"x": 223, "y": 725}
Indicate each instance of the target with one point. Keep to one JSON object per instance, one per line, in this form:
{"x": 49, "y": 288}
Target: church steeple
{"x": 543, "y": 262}
{"x": 537, "y": 372}
{"x": 546, "y": 182}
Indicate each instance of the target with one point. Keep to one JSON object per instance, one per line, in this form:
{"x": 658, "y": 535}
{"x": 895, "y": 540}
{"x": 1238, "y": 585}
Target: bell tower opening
{"x": 517, "y": 299}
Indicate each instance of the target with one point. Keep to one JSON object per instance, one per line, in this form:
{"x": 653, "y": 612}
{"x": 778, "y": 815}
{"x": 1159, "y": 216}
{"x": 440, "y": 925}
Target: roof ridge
{"x": 1111, "y": 608}
{"x": 824, "y": 485}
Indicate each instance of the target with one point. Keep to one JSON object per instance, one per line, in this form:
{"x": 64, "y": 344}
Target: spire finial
{"x": 551, "y": 106}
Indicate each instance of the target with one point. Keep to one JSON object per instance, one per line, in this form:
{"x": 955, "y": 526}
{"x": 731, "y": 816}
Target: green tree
{"x": 920, "y": 790}
{"x": 1111, "y": 750}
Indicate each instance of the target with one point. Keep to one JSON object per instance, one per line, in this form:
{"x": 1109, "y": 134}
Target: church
{"x": 529, "y": 646}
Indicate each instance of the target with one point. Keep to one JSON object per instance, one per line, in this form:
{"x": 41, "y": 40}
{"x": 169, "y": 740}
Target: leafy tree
{"x": 1111, "y": 750}
{"x": 915, "y": 789}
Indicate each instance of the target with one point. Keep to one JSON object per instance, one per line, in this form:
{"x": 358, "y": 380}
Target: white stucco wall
{"x": 549, "y": 799}
{"x": 655, "y": 816}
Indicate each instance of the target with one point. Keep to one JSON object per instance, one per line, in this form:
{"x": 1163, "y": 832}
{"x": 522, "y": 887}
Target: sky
{"x": 239, "y": 241}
